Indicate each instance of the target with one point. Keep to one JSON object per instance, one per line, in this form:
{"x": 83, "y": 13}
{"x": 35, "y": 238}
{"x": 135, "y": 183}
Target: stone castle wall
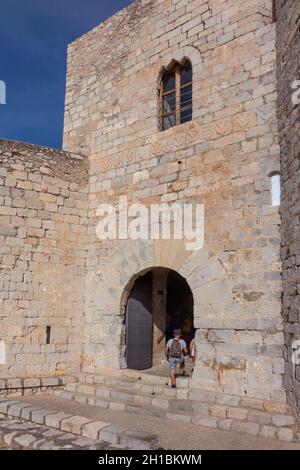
{"x": 222, "y": 158}
{"x": 60, "y": 283}
{"x": 43, "y": 224}
{"x": 288, "y": 53}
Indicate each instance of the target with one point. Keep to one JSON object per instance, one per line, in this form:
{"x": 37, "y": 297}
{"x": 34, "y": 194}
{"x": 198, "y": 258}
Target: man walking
{"x": 175, "y": 350}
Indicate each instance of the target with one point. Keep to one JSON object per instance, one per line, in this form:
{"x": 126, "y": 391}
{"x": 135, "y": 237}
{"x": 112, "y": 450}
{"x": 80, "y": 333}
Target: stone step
{"x": 164, "y": 390}
{"x": 201, "y": 406}
{"x": 137, "y": 405}
{"x": 210, "y": 415}
{"x": 152, "y": 389}
{"x": 131, "y": 395}
{"x": 133, "y": 377}
{"x": 154, "y": 379}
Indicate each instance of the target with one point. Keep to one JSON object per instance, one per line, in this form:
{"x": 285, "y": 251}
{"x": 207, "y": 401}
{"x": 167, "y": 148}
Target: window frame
{"x": 179, "y": 108}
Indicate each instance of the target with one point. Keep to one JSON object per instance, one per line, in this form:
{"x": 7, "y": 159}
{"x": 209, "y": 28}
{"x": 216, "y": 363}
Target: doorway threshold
{"x": 160, "y": 374}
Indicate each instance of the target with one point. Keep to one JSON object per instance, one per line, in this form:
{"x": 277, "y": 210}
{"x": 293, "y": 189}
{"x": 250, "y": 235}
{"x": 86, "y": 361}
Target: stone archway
{"x": 108, "y": 290}
{"x": 159, "y": 301}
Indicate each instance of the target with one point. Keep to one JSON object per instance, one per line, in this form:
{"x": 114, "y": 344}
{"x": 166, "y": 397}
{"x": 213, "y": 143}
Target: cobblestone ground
{"x": 15, "y": 434}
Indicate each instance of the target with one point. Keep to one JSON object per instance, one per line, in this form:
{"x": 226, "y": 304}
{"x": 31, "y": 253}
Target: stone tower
{"x": 223, "y": 158}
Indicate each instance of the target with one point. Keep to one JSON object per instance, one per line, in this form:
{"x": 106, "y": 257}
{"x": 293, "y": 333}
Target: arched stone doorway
{"x": 157, "y": 301}
{"x": 108, "y": 289}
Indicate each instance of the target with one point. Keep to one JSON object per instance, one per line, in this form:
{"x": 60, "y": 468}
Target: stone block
{"x": 230, "y": 400}
{"x": 121, "y": 396}
{"x": 111, "y": 434}
{"x": 201, "y": 409}
{"x": 259, "y": 417}
{"x": 182, "y": 418}
{"x": 269, "y": 432}
{"x": 139, "y": 440}
{"x": 142, "y": 400}
{"x": 74, "y": 424}
{"x": 93, "y": 429}
{"x": 282, "y": 420}
{"x": 50, "y": 382}
{"x": 26, "y": 411}
{"x": 276, "y": 408}
{"x": 202, "y": 395}
{"x": 87, "y": 389}
{"x": 207, "y": 422}
{"x": 4, "y": 405}
{"x": 160, "y": 403}
{"x": 182, "y": 394}
{"x": 2, "y": 384}
{"x": 8, "y": 438}
{"x": 102, "y": 393}
{"x": 32, "y": 383}
{"x": 38, "y": 416}
{"x": 225, "y": 424}
{"x": 101, "y": 403}
{"x": 286, "y": 435}
{"x": 181, "y": 405}
{"x": 245, "y": 427}
{"x": 25, "y": 440}
{"x": 249, "y": 402}
{"x": 54, "y": 421}
{"x": 218, "y": 411}
{"x": 16, "y": 410}
{"x": 14, "y": 383}
{"x": 117, "y": 406}
{"x": 237, "y": 413}
{"x": 221, "y": 336}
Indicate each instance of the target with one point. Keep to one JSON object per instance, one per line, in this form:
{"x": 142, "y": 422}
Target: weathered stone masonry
{"x": 43, "y": 223}
{"x": 222, "y": 158}
{"x": 288, "y": 53}
{"x": 56, "y": 273}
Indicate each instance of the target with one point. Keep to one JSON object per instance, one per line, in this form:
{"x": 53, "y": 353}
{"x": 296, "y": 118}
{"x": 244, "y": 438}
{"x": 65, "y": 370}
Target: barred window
{"x": 176, "y": 96}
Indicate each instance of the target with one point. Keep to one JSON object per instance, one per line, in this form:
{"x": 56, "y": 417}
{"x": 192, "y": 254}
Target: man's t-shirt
{"x": 181, "y": 342}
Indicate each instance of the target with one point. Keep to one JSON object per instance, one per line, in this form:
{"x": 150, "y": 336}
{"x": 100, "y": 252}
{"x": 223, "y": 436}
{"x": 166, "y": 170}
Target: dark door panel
{"x": 139, "y": 324}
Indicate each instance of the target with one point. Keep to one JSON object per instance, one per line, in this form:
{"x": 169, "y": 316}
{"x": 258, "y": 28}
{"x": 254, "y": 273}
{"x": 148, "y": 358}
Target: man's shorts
{"x": 173, "y": 361}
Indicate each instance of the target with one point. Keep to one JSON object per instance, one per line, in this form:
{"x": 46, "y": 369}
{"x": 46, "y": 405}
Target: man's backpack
{"x": 176, "y": 349}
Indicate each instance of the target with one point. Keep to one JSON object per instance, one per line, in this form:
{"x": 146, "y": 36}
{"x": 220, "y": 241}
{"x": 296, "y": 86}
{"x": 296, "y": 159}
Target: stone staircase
{"x": 148, "y": 394}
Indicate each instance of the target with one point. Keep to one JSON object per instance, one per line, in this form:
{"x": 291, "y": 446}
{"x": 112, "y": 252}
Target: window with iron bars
{"x": 176, "y": 96}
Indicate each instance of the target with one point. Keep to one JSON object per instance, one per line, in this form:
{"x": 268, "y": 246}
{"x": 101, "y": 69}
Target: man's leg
{"x": 172, "y": 365}
{"x": 182, "y": 368}
{"x": 173, "y": 377}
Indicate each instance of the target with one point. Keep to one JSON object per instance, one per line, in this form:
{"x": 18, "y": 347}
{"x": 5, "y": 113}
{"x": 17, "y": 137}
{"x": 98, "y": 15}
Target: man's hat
{"x": 177, "y": 332}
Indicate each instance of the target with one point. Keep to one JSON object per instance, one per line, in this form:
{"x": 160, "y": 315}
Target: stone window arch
{"x": 176, "y": 95}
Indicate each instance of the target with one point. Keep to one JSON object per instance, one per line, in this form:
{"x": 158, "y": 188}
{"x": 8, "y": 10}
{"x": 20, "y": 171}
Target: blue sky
{"x": 34, "y": 35}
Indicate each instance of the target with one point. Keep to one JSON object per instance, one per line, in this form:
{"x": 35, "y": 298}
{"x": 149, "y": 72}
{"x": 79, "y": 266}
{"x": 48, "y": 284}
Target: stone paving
{"x": 82, "y": 430}
{"x": 20, "y": 435}
{"x": 172, "y": 435}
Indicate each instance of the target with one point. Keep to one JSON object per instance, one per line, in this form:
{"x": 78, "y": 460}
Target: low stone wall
{"x": 22, "y": 387}
{"x": 43, "y": 219}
